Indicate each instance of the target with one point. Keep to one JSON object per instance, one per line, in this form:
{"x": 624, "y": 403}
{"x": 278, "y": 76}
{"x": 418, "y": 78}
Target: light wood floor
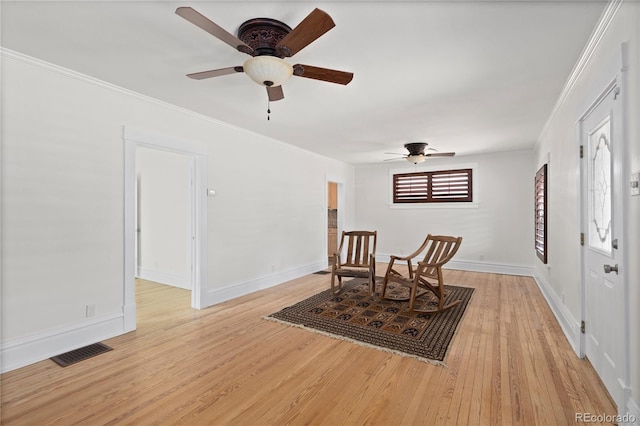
{"x": 508, "y": 364}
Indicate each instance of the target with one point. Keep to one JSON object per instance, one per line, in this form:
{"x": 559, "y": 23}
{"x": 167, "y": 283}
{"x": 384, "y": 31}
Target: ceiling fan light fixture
{"x": 267, "y": 70}
{"x": 415, "y": 159}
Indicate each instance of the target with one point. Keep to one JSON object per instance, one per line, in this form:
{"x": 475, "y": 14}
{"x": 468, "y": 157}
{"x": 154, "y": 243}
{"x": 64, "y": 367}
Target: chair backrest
{"x": 439, "y": 249}
{"x": 359, "y": 246}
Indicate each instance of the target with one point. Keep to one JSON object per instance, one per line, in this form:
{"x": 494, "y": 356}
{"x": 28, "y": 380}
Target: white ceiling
{"x": 464, "y": 76}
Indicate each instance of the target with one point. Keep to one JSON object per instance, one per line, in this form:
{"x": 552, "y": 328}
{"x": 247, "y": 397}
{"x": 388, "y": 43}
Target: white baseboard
{"x": 632, "y": 416}
{"x": 219, "y": 295}
{"x": 28, "y": 350}
{"x": 130, "y": 317}
{"x": 493, "y": 268}
{"x": 627, "y": 415}
{"x": 466, "y": 265}
{"x": 569, "y": 325}
{"x": 175, "y": 280}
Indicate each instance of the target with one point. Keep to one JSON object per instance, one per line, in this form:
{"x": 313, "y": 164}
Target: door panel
{"x": 601, "y": 212}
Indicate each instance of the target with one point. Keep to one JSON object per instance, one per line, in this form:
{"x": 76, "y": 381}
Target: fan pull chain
{"x": 268, "y": 110}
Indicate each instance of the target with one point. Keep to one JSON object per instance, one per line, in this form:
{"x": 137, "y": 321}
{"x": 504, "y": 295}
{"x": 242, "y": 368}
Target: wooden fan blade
{"x": 312, "y": 27}
{"x": 275, "y": 93}
{"x": 395, "y": 159}
{"x": 324, "y": 74}
{"x": 214, "y": 73}
{"x": 441, "y": 154}
{"x": 199, "y": 20}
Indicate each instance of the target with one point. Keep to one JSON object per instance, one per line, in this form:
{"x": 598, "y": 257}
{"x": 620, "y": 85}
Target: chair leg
{"x": 333, "y": 278}
{"x": 372, "y": 282}
{"x": 386, "y": 279}
{"x": 384, "y": 286}
{"x": 373, "y": 278}
{"x": 412, "y": 296}
{"x": 336, "y": 287}
{"x": 440, "y": 290}
{"x": 334, "y": 267}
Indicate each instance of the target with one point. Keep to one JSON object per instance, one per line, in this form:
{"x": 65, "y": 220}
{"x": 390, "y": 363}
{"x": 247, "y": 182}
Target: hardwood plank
{"x": 509, "y": 363}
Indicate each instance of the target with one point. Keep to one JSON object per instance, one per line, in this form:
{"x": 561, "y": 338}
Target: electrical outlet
{"x": 91, "y": 310}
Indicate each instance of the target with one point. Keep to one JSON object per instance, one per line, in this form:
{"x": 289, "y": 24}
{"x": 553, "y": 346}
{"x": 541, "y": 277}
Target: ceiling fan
{"x": 267, "y": 41}
{"x": 417, "y": 153}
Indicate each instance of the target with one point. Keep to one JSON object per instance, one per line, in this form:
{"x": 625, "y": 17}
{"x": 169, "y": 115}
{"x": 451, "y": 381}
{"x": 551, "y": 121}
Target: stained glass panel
{"x": 599, "y": 170}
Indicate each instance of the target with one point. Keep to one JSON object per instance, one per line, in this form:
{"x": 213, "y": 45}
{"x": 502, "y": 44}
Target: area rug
{"x": 386, "y": 325}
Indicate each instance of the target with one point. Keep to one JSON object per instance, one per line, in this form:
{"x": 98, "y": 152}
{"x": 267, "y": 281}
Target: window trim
{"x": 434, "y": 168}
{"x": 422, "y": 187}
{"x": 540, "y": 213}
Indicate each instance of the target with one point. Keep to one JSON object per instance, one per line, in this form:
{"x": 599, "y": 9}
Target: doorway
{"x": 197, "y": 152}
{"x": 332, "y": 220}
{"x": 164, "y": 217}
{"x": 605, "y": 317}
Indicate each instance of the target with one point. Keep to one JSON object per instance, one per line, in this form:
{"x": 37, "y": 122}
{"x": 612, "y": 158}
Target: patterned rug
{"x": 386, "y": 325}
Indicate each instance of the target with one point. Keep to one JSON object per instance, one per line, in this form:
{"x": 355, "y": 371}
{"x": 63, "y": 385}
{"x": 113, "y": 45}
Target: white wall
{"x": 62, "y": 201}
{"x": 164, "y": 216}
{"x": 497, "y": 232}
{"x": 560, "y": 142}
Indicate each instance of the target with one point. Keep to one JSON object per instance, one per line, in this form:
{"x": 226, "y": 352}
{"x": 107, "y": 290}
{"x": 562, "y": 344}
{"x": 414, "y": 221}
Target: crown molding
{"x": 30, "y": 60}
{"x": 594, "y": 41}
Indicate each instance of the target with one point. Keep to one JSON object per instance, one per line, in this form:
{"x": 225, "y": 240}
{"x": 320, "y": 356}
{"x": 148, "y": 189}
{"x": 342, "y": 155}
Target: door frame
{"x": 134, "y": 138}
{"x": 621, "y": 159}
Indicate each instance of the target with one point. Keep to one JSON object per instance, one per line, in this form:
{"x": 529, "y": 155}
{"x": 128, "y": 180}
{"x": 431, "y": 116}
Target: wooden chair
{"x": 359, "y": 260}
{"x": 438, "y": 250}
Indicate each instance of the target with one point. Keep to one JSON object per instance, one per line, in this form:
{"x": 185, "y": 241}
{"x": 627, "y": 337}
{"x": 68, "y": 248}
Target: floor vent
{"x": 81, "y": 354}
{"x": 322, "y": 272}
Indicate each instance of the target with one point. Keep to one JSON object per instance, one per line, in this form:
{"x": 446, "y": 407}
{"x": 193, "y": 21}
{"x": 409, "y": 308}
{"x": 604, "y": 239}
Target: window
{"x": 541, "y": 213}
{"x": 445, "y": 186}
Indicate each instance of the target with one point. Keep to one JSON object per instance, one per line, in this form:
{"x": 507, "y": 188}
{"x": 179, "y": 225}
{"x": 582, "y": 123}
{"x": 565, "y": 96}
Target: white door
{"x": 603, "y": 241}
